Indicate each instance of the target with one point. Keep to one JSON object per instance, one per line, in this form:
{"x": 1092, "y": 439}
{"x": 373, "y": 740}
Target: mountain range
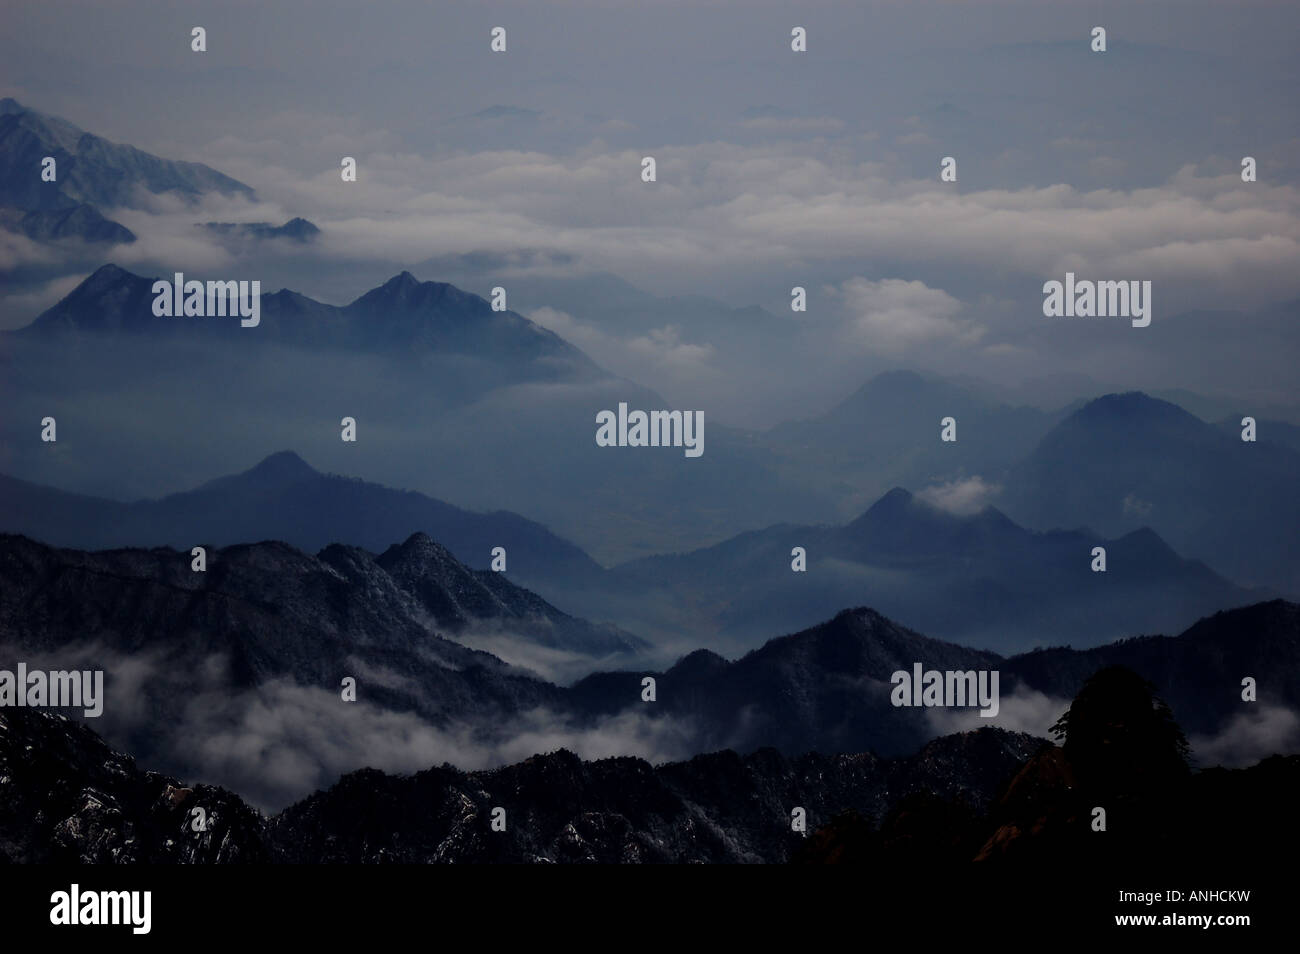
{"x": 76, "y": 800}
{"x": 348, "y": 678}
{"x": 91, "y": 174}
{"x": 887, "y": 434}
{"x": 257, "y": 646}
{"x": 451, "y": 398}
{"x": 463, "y": 415}
{"x": 990, "y": 797}
{"x": 979, "y": 579}
{"x": 828, "y": 687}
{"x": 1126, "y": 460}
{"x": 266, "y": 632}
{"x": 401, "y": 315}
{"x": 284, "y": 498}
{"x": 1005, "y": 587}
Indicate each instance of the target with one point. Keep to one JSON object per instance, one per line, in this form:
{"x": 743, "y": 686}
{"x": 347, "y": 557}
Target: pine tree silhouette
{"x": 1120, "y": 737}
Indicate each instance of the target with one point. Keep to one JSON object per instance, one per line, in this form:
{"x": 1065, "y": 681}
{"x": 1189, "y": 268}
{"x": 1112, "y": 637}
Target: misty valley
{"x": 356, "y": 508}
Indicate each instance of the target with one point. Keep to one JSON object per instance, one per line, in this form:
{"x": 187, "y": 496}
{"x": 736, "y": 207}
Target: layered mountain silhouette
{"x": 1200, "y": 671}
{"x": 1129, "y": 460}
{"x": 1005, "y": 587}
{"x": 990, "y": 797}
{"x": 70, "y": 798}
{"x": 452, "y": 398}
{"x": 886, "y": 434}
{"x": 257, "y": 646}
{"x": 401, "y": 315}
{"x": 400, "y": 601}
{"x": 92, "y": 174}
{"x": 1117, "y": 795}
{"x": 828, "y": 687}
{"x": 284, "y": 498}
{"x": 976, "y": 578}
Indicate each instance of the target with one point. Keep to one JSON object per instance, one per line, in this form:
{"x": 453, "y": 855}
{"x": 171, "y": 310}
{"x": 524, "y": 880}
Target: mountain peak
{"x": 404, "y": 314}
{"x": 902, "y": 524}
{"x": 701, "y": 662}
{"x": 896, "y": 500}
{"x": 402, "y": 281}
{"x": 110, "y": 299}
{"x": 282, "y": 464}
{"x": 1129, "y": 404}
{"x": 1131, "y": 414}
{"x": 417, "y": 550}
{"x": 407, "y": 292}
{"x": 105, "y": 276}
{"x": 279, "y": 470}
{"x": 889, "y": 509}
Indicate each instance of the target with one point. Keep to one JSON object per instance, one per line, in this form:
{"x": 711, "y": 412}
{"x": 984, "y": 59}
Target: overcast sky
{"x": 775, "y": 169}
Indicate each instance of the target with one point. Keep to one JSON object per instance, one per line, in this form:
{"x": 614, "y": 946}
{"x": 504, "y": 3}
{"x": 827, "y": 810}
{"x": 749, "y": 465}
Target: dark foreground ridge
{"x": 67, "y": 797}
{"x": 987, "y": 796}
{"x": 268, "y": 628}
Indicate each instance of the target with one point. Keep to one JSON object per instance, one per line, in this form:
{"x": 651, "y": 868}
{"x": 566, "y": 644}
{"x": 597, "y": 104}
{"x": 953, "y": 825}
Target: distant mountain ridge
{"x": 827, "y": 687}
{"x": 284, "y": 498}
{"x": 465, "y": 403}
{"x": 1126, "y": 460}
{"x": 886, "y": 434}
{"x": 92, "y": 173}
{"x": 296, "y": 229}
{"x": 400, "y": 315}
{"x": 418, "y": 585}
{"x": 1003, "y": 586}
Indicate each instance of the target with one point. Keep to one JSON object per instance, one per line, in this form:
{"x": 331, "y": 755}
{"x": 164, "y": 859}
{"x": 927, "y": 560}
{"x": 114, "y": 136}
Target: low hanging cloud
{"x": 665, "y": 346}
{"x": 961, "y": 497}
{"x": 893, "y": 315}
{"x": 721, "y": 207}
{"x": 279, "y": 743}
{"x": 560, "y": 666}
{"x": 1025, "y": 710}
{"x": 1249, "y": 736}
{"x": 276, "y": 743}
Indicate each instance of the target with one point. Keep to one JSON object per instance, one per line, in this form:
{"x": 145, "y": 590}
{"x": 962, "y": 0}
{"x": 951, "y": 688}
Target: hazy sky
{"x": 775, "y": 169}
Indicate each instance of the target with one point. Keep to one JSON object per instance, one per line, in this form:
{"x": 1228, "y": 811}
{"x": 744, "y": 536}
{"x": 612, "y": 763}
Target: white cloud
{"x": 1026, "y": 710}
{"x": 892, "y": 315}
{"x": 664, "y": 346}
{"x": 1249, "y": 736}
{"x": 961, "y": 497}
